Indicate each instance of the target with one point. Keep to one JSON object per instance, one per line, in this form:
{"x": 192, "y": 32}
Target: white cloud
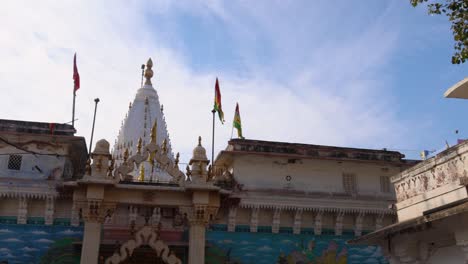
{"x": 335, "y": 99}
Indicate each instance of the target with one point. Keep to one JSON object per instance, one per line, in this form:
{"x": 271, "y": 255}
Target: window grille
{"x": 384, "y": 184}
{"x": 14, "y": 162}
{"x": 349, "y": 183}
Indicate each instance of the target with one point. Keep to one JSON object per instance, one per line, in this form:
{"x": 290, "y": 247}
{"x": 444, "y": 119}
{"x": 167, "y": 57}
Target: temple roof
{"x": 142, "y": 114}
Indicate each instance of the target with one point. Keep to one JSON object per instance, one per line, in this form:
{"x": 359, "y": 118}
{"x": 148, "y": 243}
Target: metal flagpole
{"x": 73, "y": 111}
{"x": 96, "y": 101}
{"x": 212, "y": 139}
{"x": 232, "y": 130}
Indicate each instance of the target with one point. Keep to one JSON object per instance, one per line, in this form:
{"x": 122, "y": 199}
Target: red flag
{"x": 76, "y": 75}
{"x": 217, "y": 102}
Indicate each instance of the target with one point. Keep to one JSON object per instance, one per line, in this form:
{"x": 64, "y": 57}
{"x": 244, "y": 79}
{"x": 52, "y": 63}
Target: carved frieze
{"x": 444, "y": 169}
{"x": 95, "y": 210}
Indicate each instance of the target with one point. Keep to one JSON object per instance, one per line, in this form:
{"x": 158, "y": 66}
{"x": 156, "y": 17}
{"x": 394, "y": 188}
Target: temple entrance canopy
{"x": 145, "y": 236}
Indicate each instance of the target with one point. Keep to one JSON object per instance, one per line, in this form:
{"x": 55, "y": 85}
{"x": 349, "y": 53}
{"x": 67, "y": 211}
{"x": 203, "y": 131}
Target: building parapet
{"x": 314, "y": 151}
{"x": 447, "y": 167}
{"x": 36, "y": 127}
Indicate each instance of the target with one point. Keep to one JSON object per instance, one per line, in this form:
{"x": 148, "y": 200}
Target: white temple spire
{"x": 143, "y": 112}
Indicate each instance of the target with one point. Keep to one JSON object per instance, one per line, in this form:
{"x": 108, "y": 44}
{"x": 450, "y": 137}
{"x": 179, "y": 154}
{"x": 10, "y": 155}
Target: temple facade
{"x": 260, "y": 202}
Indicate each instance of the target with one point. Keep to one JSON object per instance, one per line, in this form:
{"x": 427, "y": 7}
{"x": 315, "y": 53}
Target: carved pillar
{"x": 379, "y": 221}
{"x": 276, "y": 221}
{"x": 156, "y": 217}
{"x": 318, "y": 223}
{"x": 254, "y": 220}
{"x": 232, "y": 219}
{"x": 297, "y": 221}
{"x": 339, "y": 223}
{"x": 22, "y": 210}
{"x": 132, "y": 216}
{"x": 198, "y": 217}
{"x": 49, "y": 210}
{"x": 358, "y": 224}
{"x": 94, "y": 213}
{"x": 75, "y": 215}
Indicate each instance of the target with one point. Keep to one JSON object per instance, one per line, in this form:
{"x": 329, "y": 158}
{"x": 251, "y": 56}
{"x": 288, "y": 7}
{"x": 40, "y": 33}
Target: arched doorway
{"x": 146, "y": 240}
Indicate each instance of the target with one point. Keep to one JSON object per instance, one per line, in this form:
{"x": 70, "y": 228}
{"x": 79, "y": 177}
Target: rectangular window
{"x": 384, "y": 184}
{"x": 349, "y": 183}
{"x": 14, "y": 162}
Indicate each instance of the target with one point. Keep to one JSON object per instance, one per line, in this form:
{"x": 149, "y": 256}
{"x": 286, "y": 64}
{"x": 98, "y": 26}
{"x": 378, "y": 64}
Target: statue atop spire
{"x": 149, "y": 72}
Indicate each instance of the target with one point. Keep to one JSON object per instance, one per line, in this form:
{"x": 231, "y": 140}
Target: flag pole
{"x": 73, "y": 111}
{"x": 212, "y": 138}
{"x": 96, "y": 101}
{"x": 232, "y": 130}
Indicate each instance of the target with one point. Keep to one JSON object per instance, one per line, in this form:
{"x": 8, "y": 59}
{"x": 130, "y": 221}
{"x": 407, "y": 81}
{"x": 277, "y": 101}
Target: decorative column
{"x": 297, "y": 222}
{"x": 379, "y": 221}
{"x": 339, "y": 223}
{"x": 358, "y": 224}
{"x": 75, "y": 215}
{"x": 232, "y": 219}
{"x": 92, "y": 233}
{"x": 94, "y": 209}
{"x": 49, "y": 210}
{"x": 198, "y": 217}
{"x": 254, "y": 220}
{"x": 276, "y": 221}
{"x": 22, "y": 210}
{"x": 318, "y": 223}
{"x": 204, "y": 207}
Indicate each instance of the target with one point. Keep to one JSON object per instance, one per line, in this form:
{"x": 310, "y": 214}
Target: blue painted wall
{"x": 267, "y": 248}
{"x": 33, "y": 243}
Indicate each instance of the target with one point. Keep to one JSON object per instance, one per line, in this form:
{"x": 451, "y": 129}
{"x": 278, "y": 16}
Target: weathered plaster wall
{"x": 309, "y": 175}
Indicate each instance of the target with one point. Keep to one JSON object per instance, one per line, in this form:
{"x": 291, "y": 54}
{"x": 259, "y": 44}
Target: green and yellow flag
{"x": 217, "y": 102}
{"x": 237, "y": 122}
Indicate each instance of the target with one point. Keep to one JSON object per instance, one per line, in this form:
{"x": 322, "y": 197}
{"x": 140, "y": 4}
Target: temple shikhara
{"x": 259, "y": 202}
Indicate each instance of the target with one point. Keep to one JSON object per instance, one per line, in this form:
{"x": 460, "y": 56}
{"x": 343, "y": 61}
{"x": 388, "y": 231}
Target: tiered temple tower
{"x": 140, "y": 119}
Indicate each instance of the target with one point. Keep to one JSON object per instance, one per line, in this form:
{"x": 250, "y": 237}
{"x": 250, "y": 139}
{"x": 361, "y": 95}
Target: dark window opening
{"x": 14, "y": 162}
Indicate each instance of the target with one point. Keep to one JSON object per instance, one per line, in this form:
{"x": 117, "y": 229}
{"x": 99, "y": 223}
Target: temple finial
{"x": 164, "y": 146}
{"x": 153, "y": 132}
{"x": 142, "y": 173}
{"x": 177, "y": 159}
{"x": 148, "y": 72}
{"x": 199, "y": 140}
{"x": 139, "y": 146}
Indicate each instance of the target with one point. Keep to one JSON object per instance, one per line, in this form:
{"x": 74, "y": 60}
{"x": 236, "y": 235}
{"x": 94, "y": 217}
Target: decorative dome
{"x": 199, "y": 152}
{"x": 102, "y": 147}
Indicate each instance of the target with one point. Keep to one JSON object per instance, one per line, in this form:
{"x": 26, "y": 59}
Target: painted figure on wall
{"x": 268, "y": 248}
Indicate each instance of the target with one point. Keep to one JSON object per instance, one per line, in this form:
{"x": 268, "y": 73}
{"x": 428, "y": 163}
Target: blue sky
{"x": 347, "y": 73}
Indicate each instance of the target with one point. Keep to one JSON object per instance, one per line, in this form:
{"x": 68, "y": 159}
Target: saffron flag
{"x": 237, "y": 122}
{"x": 217, "y": 102}
{"x": 76, "y": 75}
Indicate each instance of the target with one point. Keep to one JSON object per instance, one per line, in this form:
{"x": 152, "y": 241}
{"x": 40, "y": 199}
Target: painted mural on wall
{"x": 39, "y": 244}
{"x": 268, "y": 248}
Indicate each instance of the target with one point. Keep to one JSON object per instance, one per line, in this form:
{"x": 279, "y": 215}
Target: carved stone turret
{"x": 101, "y": 161}
{"x": 198, "y": 163}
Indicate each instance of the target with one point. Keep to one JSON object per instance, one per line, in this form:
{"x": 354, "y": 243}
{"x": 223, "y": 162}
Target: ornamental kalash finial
{"x": 148, "y": 72}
